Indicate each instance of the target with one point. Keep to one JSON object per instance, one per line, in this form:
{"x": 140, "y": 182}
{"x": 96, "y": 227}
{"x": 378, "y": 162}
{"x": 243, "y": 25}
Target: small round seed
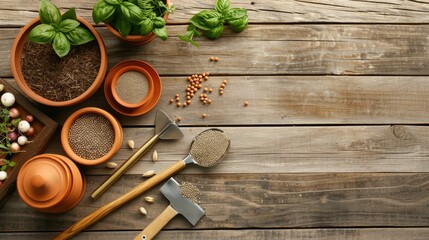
{"x": 204, "y": 115}
{"x": 171, "y": 101}
{"x": 177, "y": 95}
{"x": 225, "y": 81}
{"x": 212, "y": 58}
{"x": 178, "y": 119}
{"x": 220, "y": 92}
{"x": 246, "y": 103}
{"x": 178, "y": 104}
{"x": 223, "y": 85}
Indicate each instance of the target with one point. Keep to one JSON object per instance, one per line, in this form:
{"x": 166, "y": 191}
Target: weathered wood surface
{"x": 236, "y": 201}
{"x": 312, "y": 49}
{"x": 245, "y": 234}
{"x": 398, "y": 148}
{"x": 17, "y": 13}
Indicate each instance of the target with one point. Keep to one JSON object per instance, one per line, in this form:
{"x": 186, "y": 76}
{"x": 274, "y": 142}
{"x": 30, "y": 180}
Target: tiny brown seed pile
{"x": 209, "y": 147}
{"x": 190, "y": 191}
{"x": 91, "y": 136}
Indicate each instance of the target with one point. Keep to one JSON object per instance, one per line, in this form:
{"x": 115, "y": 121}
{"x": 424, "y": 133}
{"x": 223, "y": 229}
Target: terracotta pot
{"x": 116, "y": 143}
{"x": 15, "y": 62}
{"x": 115, "y": 79}
{"x": 142, "y": 107}
{"x": 136, "y": 39}
{"x": 50, "y": 183}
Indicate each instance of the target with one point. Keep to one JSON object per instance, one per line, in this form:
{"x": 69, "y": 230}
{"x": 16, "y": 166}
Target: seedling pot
{"x": 15, "y": 62}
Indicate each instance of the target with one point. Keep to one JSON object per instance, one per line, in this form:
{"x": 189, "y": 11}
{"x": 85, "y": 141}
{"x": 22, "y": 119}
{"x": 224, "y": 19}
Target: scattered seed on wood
{"x": 1, "y": 87}
{"x": 177, "y": 95}
{"x": 210, "y": 90}
{"x": 225, "y": 81}
{"x": 171, "y": 101}
{"x": 212, "y": 59}
{"x": 155, "y": 153}
{"x": 222, "y": 85}
{"x": 178, "y": 119}
{"x": 190, "y": 191}
{"x": 216, "y": 59}
{"x": 220, "y": 92}
{"x": 246, "y": 103}
{"x": 149, "y": 174}
{"x": 204, "y": 115}
{"x": 178, "y": 104}
{"x": 149, "y": 199}
{"x": 131, "y": 144}
{"x": 111, "y": 165}
{"x": 143, "y": 211}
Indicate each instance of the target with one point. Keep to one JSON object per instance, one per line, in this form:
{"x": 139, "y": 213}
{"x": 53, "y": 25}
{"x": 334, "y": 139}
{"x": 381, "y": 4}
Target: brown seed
{"x": 188, "y": 97}
{"x": 131, "y": 144}
{"x": 155, "y": 154}
{"x": 185, "y": 104}
{"x": 205, "y": 89}
{"x": 178, "y": 119}
{"x": 206, "y": 78}
{"x": 149, "y": 174}
{"x": 220, "y": 92}
{"x": 207, "y": 73}
{"x": 149, "y": 199}
{"x": 177, "y": 95}
{"x": 178, "y": 104}
{"x": 188, "y": 89}
{"x": 192, "y": 95}
{"x": 200, "y": 76}
{"x": 225, "y": 81}
{"x": 210, "y": 90}
{"x": 189, "y": 78}
{"x": 205, "y": 101}
{"x": 246, "y": 103}
{"x": 143, "y": 211}
{"x": 221, "y": 89}
{"x": 223, "y": 85}
{"x": 111, "y": 165}
{"x": 204, "y": 74}
{"x": 171, "y": 101}
{"x": 216, "y": 59}
{"x": 204, "y": 115}
{"x": 177, "y": 99}
{"x": 212, "y": 58}
{"x": 209, "y": 101}
{"x": 188, "y": 102}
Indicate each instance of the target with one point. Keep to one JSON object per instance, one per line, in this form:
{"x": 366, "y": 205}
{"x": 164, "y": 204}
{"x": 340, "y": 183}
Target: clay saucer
{"x": 157, "y": 88}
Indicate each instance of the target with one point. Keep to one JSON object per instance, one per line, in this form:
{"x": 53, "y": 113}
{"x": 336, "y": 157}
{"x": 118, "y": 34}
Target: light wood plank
{"x": 277, "y": 49}
{"x": 17, "y": 13}
{"x": 256, "y": 201}
{"x": 245, "y": 234}
{"x": 396, "y": 148}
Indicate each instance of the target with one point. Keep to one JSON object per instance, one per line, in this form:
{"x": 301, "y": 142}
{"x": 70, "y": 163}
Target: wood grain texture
{"x": 287, "y": 100}
{"x": 277, "y": 50}
{"x": 398, "y": 148}
{"x": 17, "y": 13}
{"x": 236, "y": 201}
{"x": 245, "y": 234}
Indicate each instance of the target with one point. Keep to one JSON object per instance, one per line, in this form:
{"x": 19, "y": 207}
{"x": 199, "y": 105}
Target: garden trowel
{"x": 165, "y": 128}
{"x": 178, "y": 205}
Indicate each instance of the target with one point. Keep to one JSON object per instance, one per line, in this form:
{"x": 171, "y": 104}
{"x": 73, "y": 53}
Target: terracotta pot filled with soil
{"x": 132, "y": 87}
{"x": 54, "y": 81}
{"x": 91, "y": 136}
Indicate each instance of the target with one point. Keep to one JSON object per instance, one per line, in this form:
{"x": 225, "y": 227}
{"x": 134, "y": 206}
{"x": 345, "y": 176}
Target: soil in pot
{"x": 60, "y": 79}
{"x": 132, "y": 87}
{"x": 91, "y": 136}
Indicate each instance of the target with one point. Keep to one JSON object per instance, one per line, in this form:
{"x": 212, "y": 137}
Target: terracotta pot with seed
{"x": 17, "y": 54}
{"x": 91, "y": 136}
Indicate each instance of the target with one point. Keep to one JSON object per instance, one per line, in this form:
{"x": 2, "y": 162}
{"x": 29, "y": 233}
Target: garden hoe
{"x": 165, "y": 128}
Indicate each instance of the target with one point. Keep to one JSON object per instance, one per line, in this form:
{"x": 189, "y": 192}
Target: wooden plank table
{"x": 333, "y": 145}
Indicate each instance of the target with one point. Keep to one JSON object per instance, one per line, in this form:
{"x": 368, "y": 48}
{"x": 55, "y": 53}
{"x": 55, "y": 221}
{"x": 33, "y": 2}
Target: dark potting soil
{"x": 60, "y": 79}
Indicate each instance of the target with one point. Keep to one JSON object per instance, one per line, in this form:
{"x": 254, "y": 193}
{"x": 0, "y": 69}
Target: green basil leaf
{"x": 12, "y": 164}
{"x": 131, "y": 12}
{"x": 114, "y": 2}
{"x": 206, "y": 19}
{"x": 161, "y": 33}
{"x": 3, "y": 167}
{"x": 79, "y": 36}
{"x": 146, "y": 26}
{"x": 68, "y": 25}
{"x": 222, "y": 6}
{"x": 214, "y": 33}
{"x": 193, "y": 30}
{"x": 61, "y": 44}
{"x": 49, "y": 13}
{"x": 70, "y": 14}
{"x": 187, "y": 39}
{"x": 135, "y": 2}
{"x": 102, "y": 11}
{"x": 159, "y": 22}
{"x": 42, "y": 33}
{"x": 123, "y": 27}
{"x": 238, "y": 22}
{"x": 235, "y": 13}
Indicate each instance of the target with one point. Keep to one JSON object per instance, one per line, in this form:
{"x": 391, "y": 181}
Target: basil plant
{"x": 211, "y": 22}
{"x": 61, "y": 31}
{"x": 133, "y": 17}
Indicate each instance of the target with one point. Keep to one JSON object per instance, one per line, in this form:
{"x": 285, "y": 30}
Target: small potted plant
{"x": 58, "y": 60}
{"x": 134, "y": 21}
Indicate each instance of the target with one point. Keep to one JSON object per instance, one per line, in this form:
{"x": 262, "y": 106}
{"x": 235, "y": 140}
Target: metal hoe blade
{"x": 165, "y": 127}
{"x": 190, "y": 210}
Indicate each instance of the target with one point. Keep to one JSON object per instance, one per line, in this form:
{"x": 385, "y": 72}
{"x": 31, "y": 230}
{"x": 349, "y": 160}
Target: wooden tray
{"x": 45, "y": 128}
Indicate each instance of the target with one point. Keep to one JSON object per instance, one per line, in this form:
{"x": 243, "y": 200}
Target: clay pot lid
{"x": 43, "y": 182}
{"x": 157, "y": 88}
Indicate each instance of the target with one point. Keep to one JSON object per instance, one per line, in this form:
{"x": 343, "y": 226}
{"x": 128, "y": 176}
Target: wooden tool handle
{"x": 156, "y": 225}
{"x": 124, "y": 167}
{"x": 110, "y": 207}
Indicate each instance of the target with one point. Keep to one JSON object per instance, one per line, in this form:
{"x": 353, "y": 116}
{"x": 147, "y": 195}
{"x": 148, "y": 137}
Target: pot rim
{"x": 15, "y": 62}
{"x": 116, "y": 143}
